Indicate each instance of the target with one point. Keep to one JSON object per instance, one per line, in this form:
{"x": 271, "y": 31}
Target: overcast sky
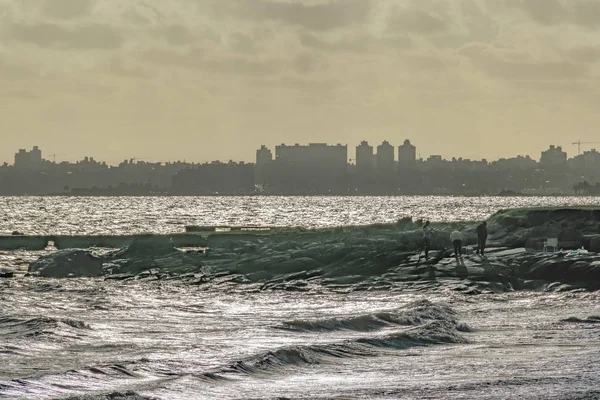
{"x": 214, "y": 79}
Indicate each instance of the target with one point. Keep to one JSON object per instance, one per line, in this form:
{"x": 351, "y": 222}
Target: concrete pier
{"x": 87, "y": 241}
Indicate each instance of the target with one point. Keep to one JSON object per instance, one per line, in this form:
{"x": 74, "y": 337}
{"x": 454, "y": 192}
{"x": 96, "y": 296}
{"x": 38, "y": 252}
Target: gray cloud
{"x": 20, "y": 94}
{"x": 118, "y": 66}
{"x": 12, "y": 71}
{"x": 93, "y": 36}
{"x": 243, "y": 66}
{"x": 410, "y": 20}
{"x": 242, "y": 43}
{"x": 223, "y": 64}
{"x": 353, "y": 44}
{"x": 305, "y": 63}
{"x": 311, "y": 86}
{"x": 587, "y": 13}
{"x": 552, "y": 12}
{"x": 178, "y": 35}
{"x": 66, "y": 9}
{"x": 399, "y": 42}
{"x": 324, "y": 16}
{"x": 545, "y": 12}
{"x": 518, "y": 67}
{"x": 584, "y": 54}
{"x": 428, "y": 62}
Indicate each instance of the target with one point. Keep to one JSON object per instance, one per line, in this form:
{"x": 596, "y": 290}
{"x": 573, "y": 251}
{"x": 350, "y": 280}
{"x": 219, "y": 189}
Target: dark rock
{"x": 147, "y": 247}
{"x": 570, "y": 239}
{"x": 594, "y": 244}
{"x": 6, "y": 273}
{"x": 119, "y": 277}
{"x": 67, "y": 263}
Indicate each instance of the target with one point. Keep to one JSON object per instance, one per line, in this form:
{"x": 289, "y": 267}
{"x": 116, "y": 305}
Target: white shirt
{"x": 456, "y": 235}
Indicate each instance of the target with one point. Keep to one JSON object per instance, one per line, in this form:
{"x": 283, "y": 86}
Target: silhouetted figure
{"x": 427, "y": 232}
{"x": 481, "y": 237}
{"x": 456, "y": 239}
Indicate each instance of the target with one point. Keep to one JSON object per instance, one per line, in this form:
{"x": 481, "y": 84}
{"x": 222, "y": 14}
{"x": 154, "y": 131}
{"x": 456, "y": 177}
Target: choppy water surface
{"x": 121, "y": 215}
{"x": 172, "y": 341}
{"x": 89, "y": 338}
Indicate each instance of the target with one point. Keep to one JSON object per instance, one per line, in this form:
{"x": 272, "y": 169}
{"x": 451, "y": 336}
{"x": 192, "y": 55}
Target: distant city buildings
{"x": 318, "y": 155}
{"x": 364, "y": 158}
{"x": 553, "y": 157}
{"x": 407, "y": 155}
{"x": 29, "y": 160}
{"x": 263, "y": 156}
{"x": 312, "y": 169}
{"x": 385, "y": 158}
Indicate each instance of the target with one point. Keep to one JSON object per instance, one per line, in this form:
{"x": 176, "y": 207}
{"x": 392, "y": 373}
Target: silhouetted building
{"x": 29, "y": 159}
{"x": 385, "y": 158}
{"x": 263, "y": 155}
{"x": 553, "y": 157}
{"x": 314, "y": 169}
{"x": 313, "y": 154}
{"x": 407, "y": 155}
{"x": 216, "y": 178}
{"x": 518, "y": 162}
{"x": 435, "y": 161}
{"x": 364, "y": 158}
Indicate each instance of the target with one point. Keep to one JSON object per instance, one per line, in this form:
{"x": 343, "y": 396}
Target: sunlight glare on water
{"x": 127, "y": 215}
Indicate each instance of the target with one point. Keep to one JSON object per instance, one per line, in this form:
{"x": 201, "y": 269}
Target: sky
{"x": 203, "y": 80}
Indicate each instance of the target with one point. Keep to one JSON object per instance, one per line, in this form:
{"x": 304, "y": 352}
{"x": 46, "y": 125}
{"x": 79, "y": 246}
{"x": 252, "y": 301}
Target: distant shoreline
{"x": 302, "y": 195}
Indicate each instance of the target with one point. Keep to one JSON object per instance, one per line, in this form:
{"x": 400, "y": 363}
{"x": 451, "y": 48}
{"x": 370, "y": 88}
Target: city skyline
{"x": 312, "y": 169}
{"x": 352, "y": 152}
{"x": 211, "y": 80}
{"x": 572, "y": 150}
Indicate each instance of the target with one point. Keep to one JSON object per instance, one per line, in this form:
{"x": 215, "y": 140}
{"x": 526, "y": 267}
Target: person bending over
{"x": 456, "y": 239}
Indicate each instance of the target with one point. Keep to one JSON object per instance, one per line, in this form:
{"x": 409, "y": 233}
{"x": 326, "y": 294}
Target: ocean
{"x": 89, "y": 338}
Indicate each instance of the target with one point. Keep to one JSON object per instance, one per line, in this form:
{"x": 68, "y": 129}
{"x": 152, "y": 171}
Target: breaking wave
{"x": 415, "y": 313}
{"x": 594, "y": 319}
{"x": 436, "y": 325}
{"x": 12, "y": 327}
{"x": 436, "y": 332}
{"x": 129, "y": 395}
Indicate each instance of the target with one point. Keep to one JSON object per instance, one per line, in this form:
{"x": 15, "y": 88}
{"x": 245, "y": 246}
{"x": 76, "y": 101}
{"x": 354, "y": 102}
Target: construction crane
{"x": 579, "y": 143}
{"x": 54, "y": 157}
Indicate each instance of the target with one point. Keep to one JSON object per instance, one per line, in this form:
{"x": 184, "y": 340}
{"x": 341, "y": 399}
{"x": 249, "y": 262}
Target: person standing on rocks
{"x": 427, "y": 233}
{"x": 481, "y": 237}
{"x": 456, "y": 239}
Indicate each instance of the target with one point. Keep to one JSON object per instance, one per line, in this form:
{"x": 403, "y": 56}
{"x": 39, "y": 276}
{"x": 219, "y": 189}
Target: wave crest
{"x": 594, "y": 319}
{"x": 37, "y": 326}
{"x": 431, "y": 333}
{"x": 415, "y": 313}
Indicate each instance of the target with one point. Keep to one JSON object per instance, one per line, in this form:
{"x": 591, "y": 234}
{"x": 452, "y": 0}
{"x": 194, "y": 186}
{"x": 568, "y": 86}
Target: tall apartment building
{"x": 315, "y": 154}
{"x": 28, "y": 159}
{"x": 364, "y": 157}
{"x": 385, "y": 158}
{"x": 553, "y": 157}
{"x": 407, "y": 155}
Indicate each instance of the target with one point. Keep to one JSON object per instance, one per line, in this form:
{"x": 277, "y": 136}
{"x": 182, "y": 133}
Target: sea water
{"x": 90, "y": 338}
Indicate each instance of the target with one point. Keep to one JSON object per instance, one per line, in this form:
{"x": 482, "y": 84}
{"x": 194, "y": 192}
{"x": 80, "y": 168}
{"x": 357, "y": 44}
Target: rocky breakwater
{"x": 573, "y": 227}
{"x": 377, "y": 257}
